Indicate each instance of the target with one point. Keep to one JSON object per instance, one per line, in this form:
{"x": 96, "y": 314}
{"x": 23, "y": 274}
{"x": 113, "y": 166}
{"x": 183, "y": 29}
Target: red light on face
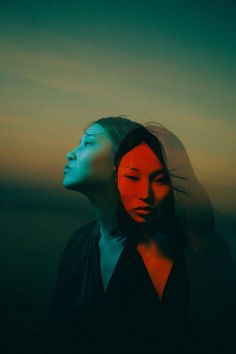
{"x": 141, "y": 182}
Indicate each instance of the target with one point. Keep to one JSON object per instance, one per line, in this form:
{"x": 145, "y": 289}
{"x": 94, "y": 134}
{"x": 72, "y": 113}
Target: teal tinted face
{"x": 91, "y": 163}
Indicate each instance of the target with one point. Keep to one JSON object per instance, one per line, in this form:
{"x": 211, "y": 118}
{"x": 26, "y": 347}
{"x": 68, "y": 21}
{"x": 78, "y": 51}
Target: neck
{"x": 104, "y": 201}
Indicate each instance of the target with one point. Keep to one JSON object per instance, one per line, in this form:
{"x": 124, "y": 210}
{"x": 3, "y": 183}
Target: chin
{"x": 77, "y": 187}
{"x": 69, "y": 185}
{"x": 66, "y": 183}
{"x": 140, "y": 219}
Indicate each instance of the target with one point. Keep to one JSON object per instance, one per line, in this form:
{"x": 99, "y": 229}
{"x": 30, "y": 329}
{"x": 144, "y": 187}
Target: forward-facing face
{"x": 91, "y": 163}
{"x": 142, "y": 183}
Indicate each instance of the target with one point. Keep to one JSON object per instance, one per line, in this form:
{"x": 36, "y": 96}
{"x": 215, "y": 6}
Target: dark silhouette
{"x": 210, "y": 266}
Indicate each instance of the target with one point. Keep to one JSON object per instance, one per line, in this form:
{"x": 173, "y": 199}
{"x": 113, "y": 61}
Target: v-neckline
{"x": 160, "y": 297}
{"x": 105, "y": 290}
{"x": 117, "y": 266}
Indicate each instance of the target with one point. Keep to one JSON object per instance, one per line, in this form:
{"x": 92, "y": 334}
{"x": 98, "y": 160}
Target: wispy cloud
{"x": 113, "y": 79}
{"x": 147, "y": 89}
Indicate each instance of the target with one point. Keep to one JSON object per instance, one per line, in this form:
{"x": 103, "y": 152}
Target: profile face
{"x": 91, "y": 163}
{"x": 142, "y": 183}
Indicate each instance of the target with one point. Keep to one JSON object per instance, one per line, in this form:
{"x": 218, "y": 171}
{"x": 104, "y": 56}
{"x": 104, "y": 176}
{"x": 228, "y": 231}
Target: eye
{"x": 161, "y": 179}
{"x": 87, "y": 143}
{"x": 133, "y": 178}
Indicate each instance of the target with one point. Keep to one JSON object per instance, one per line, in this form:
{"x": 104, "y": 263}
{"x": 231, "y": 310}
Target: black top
{"x": 126, "y": 318}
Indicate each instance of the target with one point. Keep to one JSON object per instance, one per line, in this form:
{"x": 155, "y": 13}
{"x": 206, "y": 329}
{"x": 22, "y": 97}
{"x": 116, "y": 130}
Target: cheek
{"x": 96, "y": 166}
{"x": 102, "y": 167}
{"x": 160, "y": 192}
{"x": 127, "y": 191}
{"x": 82, "y": 169}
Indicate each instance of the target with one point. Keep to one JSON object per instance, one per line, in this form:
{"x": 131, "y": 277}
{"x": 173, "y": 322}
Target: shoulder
{"x": 79, "y": 241}
{"x": 81, "y": 236}
{"x": 72, "y": 262}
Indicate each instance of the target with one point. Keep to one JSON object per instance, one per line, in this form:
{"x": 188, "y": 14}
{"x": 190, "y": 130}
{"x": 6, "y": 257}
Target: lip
{"x": 147, "y": 208}
{"x": 143, "y": 211}
{"x": 67, "y": 168}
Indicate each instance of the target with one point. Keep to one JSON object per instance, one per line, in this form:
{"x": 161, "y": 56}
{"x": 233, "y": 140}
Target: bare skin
{"x": 90, "y": 171}
{"x": 142, "y": 184}
{"x": 110, "y": 247}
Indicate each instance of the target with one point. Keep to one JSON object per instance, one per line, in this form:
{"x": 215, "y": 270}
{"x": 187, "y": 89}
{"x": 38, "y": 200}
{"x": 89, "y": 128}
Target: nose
{"x": 145, "y": 192}
{"x": 71, "y": 155}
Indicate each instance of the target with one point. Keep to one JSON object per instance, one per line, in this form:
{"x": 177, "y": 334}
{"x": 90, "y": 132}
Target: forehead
{"x": 97, "y": 132}
{"x": 141, "y": 157}
{"x": 95, "y": 129}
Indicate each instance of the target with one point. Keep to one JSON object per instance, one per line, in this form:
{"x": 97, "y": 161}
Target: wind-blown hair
{"x": 170, "y": 236}
{"x": 193, "y": 207}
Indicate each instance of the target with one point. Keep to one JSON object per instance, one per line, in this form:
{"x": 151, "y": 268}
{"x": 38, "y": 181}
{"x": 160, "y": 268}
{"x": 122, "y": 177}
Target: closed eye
{"x": 133, "y": 178}
{"x": 86, "y": 143}
{"x": 162, "y": 179}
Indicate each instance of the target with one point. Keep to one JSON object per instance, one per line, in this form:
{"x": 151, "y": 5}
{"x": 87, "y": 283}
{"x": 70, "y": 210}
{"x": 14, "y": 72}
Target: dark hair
{"x": 170, "y": 235}
{"x": 135, "y": 138}
{"x": 117, "y": 127}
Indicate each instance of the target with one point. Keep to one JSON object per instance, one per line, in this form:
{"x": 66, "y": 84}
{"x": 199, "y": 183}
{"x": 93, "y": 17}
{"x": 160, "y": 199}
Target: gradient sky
{"x": 66, "y": 63}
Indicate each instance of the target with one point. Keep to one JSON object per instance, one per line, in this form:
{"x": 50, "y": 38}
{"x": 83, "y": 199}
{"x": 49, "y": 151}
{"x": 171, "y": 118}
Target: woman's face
{"x": 91, "y": 163}
{"x": 142, "y": 183}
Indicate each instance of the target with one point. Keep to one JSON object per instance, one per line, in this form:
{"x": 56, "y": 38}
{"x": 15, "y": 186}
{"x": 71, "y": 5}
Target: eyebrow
{"x": 153, "y": 174}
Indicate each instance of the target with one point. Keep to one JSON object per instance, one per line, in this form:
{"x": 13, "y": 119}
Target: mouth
{"x": 143, "y": 210}
{"x": 147, "y": 208}
{"x": 67, "y": 168}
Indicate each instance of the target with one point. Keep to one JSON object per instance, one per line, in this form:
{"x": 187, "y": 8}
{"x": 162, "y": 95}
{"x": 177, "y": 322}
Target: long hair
{"x": 170, "y": 236}
{"x": 193, "y": 207}
{"x": 117, "y": 128}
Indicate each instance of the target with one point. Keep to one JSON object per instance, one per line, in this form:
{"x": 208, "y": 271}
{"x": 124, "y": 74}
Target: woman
{"x": 106, "y": 299}
{"x": 146, "y": 216}
{"x": 209, "y": 260}
{"x": 77, "y": 314}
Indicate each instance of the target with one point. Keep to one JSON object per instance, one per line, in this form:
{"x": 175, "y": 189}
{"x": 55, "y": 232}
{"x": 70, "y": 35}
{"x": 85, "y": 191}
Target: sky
{"x": 64, "y": 64}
